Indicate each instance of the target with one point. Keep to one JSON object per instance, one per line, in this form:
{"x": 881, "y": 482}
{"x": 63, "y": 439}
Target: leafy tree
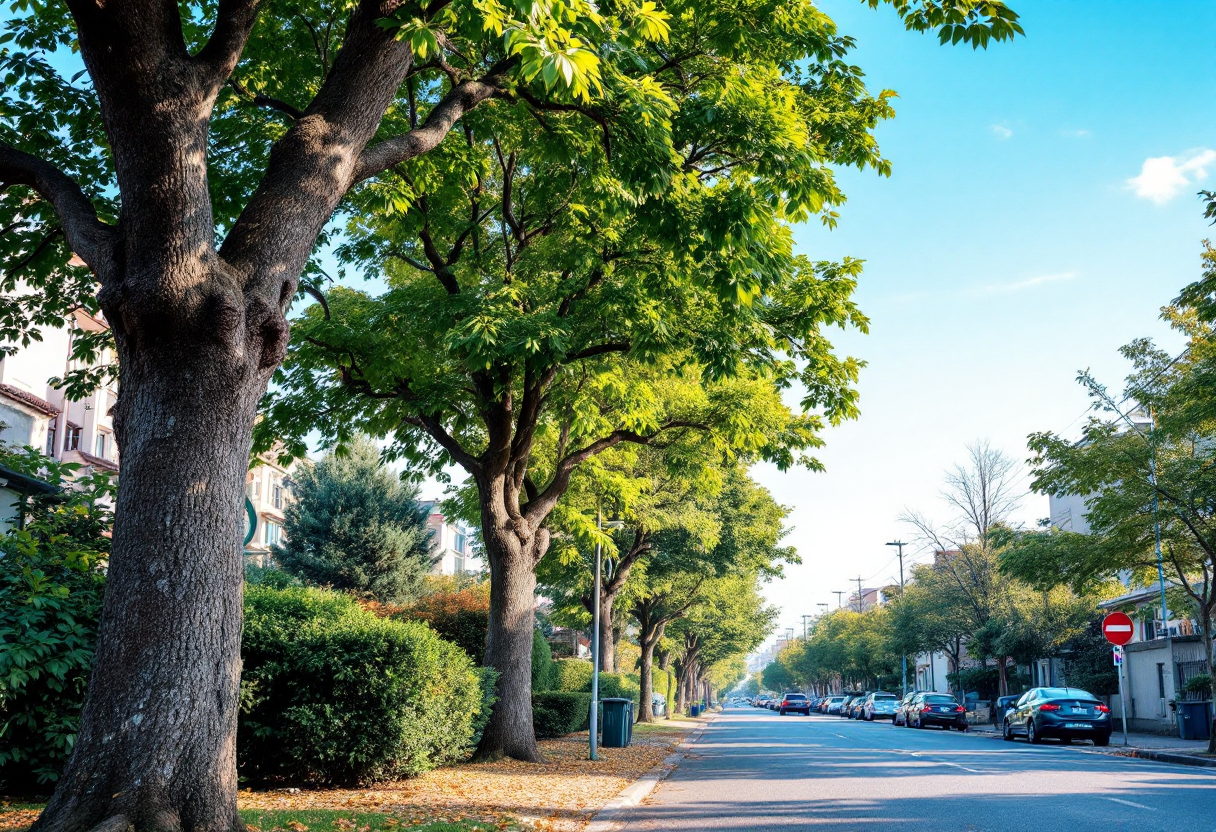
{"x": 354, "y": 525}
{"x": 569, "y": 248}
{"x": 192, "y": 169}
{"x": 51, "y": 582}
{"x": 1141, "y": 478}
{"x": 776, "y": 676}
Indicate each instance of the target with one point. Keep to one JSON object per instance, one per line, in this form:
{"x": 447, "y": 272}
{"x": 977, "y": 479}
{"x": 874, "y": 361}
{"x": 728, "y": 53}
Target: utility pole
{"x": 839, "y": 598}
{"x": 804, "y": 618}
{"x": 860, "y": 608}
{"x": 903, "y": 679}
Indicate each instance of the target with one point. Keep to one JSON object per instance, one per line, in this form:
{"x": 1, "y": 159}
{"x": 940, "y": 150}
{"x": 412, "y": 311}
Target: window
{"x": 277, "y": 492}
{"x": 254, "y": 488}
{"x": 101, "y": 444}
{"x": 274, "y": 533}
{"x": 50, "y": 436}
{"x": 71, "y": 439}
{"x": 458, "y": 545}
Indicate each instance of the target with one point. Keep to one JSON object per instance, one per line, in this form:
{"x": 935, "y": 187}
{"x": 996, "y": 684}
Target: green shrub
{"x": 557, "y": 713}
{"x": 572, "y": 675}
{"x": 1201, "y": 684}
{"x": 334, "y": 694}
{"x": 51, "y": 586}
{"x": 487, "y": 684}
{"x": 619, "y": 686}
{"x": 542, "y": 662}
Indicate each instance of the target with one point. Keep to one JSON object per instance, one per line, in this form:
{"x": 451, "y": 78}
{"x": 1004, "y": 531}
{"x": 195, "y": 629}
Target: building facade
{"x": 449, "y": 543}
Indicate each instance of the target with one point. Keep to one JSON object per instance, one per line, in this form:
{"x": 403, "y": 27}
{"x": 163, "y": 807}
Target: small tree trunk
{"x": 509, "y": 643}
{"x": 156, "y": 749}
{"x": 665, "y": 666}
{"x": 646, "y": 683}
{"x": 607, "y": 640}
{"x": 1002, "y": 676}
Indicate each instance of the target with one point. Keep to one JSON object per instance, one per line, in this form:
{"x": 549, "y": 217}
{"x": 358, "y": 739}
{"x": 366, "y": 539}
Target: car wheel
{"x": 781, "y": 712}
{"x": 962, "y": 728}
{"x": 1032, "y": 736}
{"x": 1008, "y": 733}
{"x": 1065, "y": 740}
{"x": 1101, "y": 742}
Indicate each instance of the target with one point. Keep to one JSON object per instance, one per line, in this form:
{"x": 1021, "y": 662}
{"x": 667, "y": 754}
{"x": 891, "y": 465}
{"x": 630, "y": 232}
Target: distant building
{"x": 36, "y": 414}
{"x": 268, "y": 490}
{"x": 868, "y": 600}
{"x": 450, "y": 543}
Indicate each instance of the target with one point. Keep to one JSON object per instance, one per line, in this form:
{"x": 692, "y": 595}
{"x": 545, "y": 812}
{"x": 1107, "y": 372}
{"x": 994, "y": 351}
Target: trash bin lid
{"x": 616, "y": 699}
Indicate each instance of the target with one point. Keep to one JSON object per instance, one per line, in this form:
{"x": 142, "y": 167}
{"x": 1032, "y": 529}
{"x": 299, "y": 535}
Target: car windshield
{"x": 886, "y": 697}
{"x": 1065, "y": 693}
{"x": 941, "y": 699}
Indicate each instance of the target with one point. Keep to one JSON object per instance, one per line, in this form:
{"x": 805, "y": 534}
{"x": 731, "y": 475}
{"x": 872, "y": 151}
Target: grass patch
{"x": 335, "y": 820}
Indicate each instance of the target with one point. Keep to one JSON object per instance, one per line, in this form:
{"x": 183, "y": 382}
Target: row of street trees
{"x": 579, "y": 212}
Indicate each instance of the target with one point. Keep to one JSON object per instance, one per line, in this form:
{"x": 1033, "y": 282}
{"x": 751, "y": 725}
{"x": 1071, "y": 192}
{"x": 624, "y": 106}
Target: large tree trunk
{"x": 607, "y": 635}
{"x": 157, "y": 742}
{"x": 649, "y": 634}
{"x": 509, "y": 639}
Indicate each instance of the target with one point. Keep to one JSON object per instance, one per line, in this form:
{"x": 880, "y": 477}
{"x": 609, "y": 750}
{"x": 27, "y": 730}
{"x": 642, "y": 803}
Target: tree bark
{"x": 512, "y": 561}
{"x": 157, "y": 742}
{"x": 665, "y": 666}
{"x": 649, "y": 634}
{"x": 607, "y": 636}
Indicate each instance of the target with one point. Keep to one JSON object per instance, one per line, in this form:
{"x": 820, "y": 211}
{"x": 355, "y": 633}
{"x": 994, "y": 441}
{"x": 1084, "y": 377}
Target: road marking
{"x": 1129, "y": 803}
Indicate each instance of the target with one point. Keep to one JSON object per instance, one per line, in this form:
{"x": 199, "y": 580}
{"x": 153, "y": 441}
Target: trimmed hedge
{"x": 619, "y": 686}
{"x": 572, "y": 675}
{"x": 333, "y": 694}
{"x": 542, "y": 662}
{"x": 557, "y": 713}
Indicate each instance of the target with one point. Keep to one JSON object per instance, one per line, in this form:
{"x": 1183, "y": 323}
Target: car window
{"x": 941, "y": 699}
{"x": 885, "y": 696}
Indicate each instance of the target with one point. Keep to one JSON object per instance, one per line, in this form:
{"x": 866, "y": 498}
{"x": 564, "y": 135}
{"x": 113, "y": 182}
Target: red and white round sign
{"x": 1118, "y": 628}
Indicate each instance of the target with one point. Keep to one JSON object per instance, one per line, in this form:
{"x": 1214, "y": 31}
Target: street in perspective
{"x": 607, "y": 415}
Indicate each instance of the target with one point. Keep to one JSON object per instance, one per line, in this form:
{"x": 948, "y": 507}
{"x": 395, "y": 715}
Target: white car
{"x": 879, "y": 706}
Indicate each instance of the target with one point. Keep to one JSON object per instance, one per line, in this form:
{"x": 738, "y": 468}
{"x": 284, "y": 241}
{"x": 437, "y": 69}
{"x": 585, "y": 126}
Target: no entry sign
{"x": 1118, "y": 628}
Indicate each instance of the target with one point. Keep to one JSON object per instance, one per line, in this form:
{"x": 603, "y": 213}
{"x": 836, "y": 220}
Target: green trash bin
{"x": 617, "y": 723}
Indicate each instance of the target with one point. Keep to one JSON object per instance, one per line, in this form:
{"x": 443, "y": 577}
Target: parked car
{"x": 941, "y": 709}
{"x": 834, "y": 704}
{"x": 1003, "y": 705}
{"x": 856, "y": 703}
{"x": 1064, "y": 713}
{"x": 794, "y": 702}
{"x": 879, "y": 705}
{"x": 901, "y": 708}
{"x": 847, "y": 703}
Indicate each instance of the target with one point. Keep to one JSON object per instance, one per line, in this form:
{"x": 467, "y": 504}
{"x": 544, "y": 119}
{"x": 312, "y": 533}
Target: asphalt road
{"x": 753, "y": 770}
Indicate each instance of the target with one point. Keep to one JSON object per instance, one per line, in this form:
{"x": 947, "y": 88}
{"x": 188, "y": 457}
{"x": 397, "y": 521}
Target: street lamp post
{"x": 903, "y": 678}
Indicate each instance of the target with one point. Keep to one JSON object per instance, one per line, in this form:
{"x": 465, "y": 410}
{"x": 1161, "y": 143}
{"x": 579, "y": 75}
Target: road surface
{"x": 756, "y": 771}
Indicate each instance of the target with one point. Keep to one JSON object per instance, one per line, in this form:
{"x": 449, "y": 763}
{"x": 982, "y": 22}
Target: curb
{"x": 1130, "y": 752}
{"x": 612, "y": 814}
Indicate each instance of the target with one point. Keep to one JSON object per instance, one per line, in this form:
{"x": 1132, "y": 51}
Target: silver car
{"x": 879, "y": 705}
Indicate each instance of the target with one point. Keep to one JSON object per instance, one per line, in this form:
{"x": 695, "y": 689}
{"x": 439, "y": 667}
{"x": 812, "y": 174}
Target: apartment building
{"x": 450, "y": 543}
{"x": 267, "y": 493}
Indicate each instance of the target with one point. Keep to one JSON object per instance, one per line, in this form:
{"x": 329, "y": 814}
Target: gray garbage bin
{"x": 1194, "y": 720}
{"x": 617, "y": 723}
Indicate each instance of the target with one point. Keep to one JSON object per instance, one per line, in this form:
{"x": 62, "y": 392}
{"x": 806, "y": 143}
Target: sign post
{"x": 1118, "y": 629}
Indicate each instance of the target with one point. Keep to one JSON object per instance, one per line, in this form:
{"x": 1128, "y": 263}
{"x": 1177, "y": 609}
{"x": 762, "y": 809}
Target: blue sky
{"x": 1040, "y": 212}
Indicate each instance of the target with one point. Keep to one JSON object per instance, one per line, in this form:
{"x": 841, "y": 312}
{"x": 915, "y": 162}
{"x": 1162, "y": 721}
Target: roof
{"x": 1136, "y": 596}
{"x": 98, "y": 462}
{"x": 28, "y": 399}
{"x": 25, "y": 483}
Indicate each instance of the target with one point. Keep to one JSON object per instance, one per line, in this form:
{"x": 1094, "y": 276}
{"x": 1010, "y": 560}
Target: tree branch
{"x": 235, "y": 19}
{"x": 259, "y": 100}
{"x": 91, "y": 239}
{"x": 459, "y": 100}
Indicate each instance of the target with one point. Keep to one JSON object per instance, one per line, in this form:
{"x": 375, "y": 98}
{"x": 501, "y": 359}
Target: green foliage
{"x": 1201, "y": 684}
{"x": 618, "y": 686}
{"x": 461, "y": 616}
{"x": 557, "y": 713}
{"x": 571, "y": 675}
{"x": 751, "y": 686}
{"x": 1087, "y": 662}
{"x": 777, "y": 677}
{"x": 982, "y": 680}
{"x": 487, "y": 683}
{"x": 51, "y": 585}
{"x": 542, "y": 662}
{"x": 353, "y": 525}
{"x": 334, "y": 694}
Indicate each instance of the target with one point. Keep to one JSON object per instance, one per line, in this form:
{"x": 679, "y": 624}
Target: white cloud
{"x": 1164, "y": 177}
{"x": 1028, "y": 283}
{"x": 1001, "y": 131}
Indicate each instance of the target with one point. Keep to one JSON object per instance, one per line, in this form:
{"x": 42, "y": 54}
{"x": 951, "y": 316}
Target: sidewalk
{"x": 1159, "y": 747}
